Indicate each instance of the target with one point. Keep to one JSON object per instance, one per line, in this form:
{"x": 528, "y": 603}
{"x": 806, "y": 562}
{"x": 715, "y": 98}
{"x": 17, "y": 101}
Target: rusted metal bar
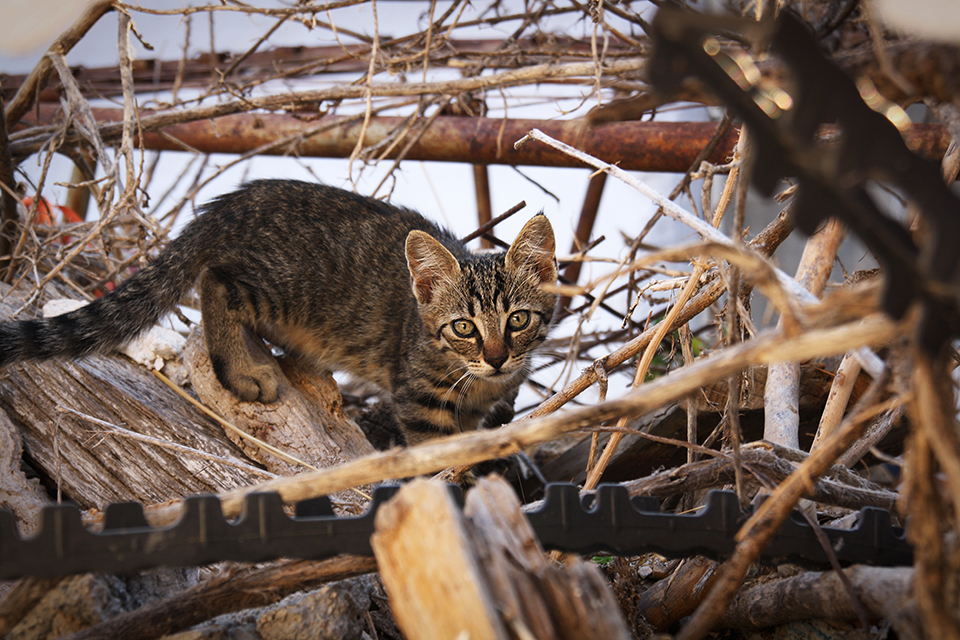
{"x": 481, "y": 182}
{"x": 635, "y": 146}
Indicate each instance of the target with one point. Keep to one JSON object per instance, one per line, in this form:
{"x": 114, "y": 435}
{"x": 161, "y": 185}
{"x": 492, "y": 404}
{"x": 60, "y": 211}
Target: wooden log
{"x": 425, "y": 555}
{"x": 494, "y": 580}
{"x": 675, "y": 597}
{"x": 91, "y": 463}
{"x": 235, "y": 589}
{"x": 885, "y": 593}
{"x": 65, "y": 410}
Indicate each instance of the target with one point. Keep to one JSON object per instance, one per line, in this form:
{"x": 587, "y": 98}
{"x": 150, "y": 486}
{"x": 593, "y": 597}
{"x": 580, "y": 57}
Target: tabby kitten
{"x": 356, "y": 283}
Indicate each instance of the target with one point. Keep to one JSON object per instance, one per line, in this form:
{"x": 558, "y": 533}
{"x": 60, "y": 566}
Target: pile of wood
{"x": 833, "y": 409}
{"x": 105, "y": 429}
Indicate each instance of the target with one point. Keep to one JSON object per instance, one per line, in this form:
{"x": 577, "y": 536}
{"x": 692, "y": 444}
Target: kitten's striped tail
{"x": 110, "y": 321}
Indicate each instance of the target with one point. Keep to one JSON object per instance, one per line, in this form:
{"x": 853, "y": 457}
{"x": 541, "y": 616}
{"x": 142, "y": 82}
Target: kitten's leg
{"x": 223, "y": 330}
{"x": 502, "y": 412}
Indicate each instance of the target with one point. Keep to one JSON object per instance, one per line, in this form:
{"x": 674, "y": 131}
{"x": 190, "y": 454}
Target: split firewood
{"x": 493, "y": 581}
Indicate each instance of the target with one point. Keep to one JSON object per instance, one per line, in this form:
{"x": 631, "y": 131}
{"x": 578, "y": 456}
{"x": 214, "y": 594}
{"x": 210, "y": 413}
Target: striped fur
{"x": 353, "y": 282}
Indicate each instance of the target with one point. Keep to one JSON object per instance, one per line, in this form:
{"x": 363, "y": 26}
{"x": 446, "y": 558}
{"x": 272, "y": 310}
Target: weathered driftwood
{"x": 94, "y": 466}
{"x": 480, "y": 573}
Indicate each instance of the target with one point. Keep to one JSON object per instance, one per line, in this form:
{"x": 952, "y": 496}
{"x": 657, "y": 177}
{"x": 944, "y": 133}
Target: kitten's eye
{"x": 464, "y": 328}
{"x": 518, "y": 320}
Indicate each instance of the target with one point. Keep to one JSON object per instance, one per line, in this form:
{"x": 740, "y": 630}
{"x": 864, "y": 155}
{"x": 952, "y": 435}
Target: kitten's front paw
{"x": 256, "y": 384}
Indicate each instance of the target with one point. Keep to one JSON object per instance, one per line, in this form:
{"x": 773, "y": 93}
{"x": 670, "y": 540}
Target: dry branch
{"x": 471, "y": 448}
{"x": 35, "y": 82}
{"x": 762, "y": 464}
{"x": 783, "y": 379}
{"x": 301, "y": 99}
{"x": 765, "y": 242}
{"x": 840, "y": 391}
{"x": 934, "y": 452}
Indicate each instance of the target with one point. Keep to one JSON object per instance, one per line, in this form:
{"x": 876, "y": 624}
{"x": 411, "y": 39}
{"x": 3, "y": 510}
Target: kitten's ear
{"x": 430, "y": 264}
{"x": 535, "y": 248}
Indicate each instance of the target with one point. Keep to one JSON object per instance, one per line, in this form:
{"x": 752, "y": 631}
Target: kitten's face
{"x": 489, "y": 313}
{"x": 493, "y": 319}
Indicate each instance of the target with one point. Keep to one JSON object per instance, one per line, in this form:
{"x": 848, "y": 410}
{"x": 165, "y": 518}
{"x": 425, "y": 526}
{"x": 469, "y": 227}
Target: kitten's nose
{"x": 495, "y": 357}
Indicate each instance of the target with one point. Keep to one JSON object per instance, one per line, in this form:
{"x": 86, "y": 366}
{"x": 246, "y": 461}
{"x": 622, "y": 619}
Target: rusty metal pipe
{"x": 481, "y": 183}
{"x": 635, "y": 146}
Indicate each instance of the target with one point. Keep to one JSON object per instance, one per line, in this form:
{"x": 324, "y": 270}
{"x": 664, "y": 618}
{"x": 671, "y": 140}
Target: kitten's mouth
{"x": 500, "y": 375}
